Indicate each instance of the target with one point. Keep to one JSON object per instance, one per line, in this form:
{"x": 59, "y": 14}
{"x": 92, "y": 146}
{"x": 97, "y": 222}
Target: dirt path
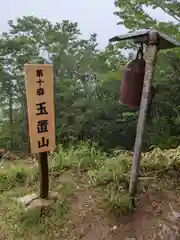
{"x": 88, "y": 222}
{"x": 88, "y": 219}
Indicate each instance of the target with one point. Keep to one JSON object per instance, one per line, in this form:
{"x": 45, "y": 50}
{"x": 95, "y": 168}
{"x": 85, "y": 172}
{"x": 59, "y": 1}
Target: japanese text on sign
{"x": 40, "y": 102}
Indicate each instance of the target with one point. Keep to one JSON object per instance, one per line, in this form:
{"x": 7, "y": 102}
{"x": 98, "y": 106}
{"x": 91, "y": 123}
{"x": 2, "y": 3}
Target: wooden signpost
{"x": 40, "y": 104}
{"x": 153, "y": 41}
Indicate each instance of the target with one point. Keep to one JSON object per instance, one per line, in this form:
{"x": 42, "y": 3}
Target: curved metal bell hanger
{"x": 140, "y": 52}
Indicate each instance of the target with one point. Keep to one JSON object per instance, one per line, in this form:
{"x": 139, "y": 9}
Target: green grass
{"x": 109, "y": 174}
{"x": 16, "y": 175}
{"x": 21, "y": 223}
{"x": 81, "y": 157}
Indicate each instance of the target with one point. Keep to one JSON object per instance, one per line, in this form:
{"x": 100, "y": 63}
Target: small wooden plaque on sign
{"x": 40, "y": 103}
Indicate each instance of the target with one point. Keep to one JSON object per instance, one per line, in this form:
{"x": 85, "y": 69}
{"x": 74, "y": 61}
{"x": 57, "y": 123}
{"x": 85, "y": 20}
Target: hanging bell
{"x": 132, "y": 83}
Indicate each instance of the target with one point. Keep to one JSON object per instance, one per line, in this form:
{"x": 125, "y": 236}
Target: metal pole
{"x": 44, "y": 175}
{"x": 150, "y": 57}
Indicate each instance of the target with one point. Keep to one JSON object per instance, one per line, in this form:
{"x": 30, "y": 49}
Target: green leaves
{"x": 87, "y": 80}
{"x": 134, "y": 15}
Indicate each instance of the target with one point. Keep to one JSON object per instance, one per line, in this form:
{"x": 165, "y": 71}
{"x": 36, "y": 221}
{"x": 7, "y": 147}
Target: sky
{"x": 93, "y": 16}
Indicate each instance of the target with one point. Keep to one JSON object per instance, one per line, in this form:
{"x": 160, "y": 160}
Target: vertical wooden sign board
{"x": 40, "y": 104}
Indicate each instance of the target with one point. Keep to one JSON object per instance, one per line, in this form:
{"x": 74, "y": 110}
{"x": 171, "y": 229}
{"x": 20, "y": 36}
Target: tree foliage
{"x": 87, "y": 81}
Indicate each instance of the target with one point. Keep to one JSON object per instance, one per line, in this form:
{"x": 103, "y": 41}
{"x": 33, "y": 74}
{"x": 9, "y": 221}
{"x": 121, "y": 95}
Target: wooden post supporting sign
{"x": 40, "y": 104}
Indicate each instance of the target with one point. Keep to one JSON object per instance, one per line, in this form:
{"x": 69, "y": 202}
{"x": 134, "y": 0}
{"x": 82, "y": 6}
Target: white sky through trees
{"x": 91, "y": 15}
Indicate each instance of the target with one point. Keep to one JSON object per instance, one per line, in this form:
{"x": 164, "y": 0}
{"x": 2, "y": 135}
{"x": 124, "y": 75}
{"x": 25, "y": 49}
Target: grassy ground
{"x": 93, "y": 195}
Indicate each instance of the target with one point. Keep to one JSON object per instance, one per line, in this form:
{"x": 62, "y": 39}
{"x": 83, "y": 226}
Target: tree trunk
{"x": 26, "y": 125}
{"x": 10, "y": 115}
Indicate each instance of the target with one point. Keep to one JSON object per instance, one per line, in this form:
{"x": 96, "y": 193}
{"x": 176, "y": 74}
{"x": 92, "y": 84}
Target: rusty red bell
{"x": 132, "y": 83}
